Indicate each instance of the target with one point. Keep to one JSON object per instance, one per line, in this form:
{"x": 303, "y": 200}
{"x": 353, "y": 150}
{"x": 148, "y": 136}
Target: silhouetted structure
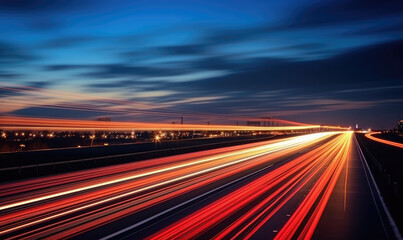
{"x": 105, "y": 119}
{"x": 253, "y": 123}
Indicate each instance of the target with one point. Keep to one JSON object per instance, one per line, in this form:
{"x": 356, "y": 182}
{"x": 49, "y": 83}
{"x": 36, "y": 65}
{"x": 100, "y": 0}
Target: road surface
{"x": 310, "y": 186}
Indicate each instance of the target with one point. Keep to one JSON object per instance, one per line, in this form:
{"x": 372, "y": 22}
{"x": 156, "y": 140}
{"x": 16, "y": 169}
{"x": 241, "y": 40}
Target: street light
{"x": 92, "y": 139}
{"x": 22, "y": 146}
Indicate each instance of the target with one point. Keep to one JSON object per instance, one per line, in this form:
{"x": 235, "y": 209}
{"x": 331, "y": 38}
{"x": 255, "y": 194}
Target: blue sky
{"x": 326, "y": 62}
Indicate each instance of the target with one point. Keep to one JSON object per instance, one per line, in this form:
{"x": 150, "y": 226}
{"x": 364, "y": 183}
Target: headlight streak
{"x": 111, "y": 171}
{"x": 274, "y": 147}
{"x": 105, "y": 197}
{"x": 325, "y": 184}
{"x": 297, "y": 183}
{"x": 201, "y": 221}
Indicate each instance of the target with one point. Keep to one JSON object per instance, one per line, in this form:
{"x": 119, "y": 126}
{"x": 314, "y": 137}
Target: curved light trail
{"x": 391, "y": 143}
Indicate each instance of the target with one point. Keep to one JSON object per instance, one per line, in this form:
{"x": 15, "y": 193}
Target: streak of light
{"x": 64, "y": 125}
{"x": 82, "y": 201}
{"x": 273, "y": 147}
{"x": 277, "y": 187}
{"x": 325, "y": 184}
{"x": 395, "y": 144}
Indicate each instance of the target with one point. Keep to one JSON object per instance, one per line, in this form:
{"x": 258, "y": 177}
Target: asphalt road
{"x": 301, "y": 187}
{"x": 355, "y": 210}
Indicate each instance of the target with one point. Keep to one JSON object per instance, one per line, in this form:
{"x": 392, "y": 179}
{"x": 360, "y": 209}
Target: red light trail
{"x": 69, "y": 204}
{"x": 331, "y": 156}
{"x": 27, "y": 123}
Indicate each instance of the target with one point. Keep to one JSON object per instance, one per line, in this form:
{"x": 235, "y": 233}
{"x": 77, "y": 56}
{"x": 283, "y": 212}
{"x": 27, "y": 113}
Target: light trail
{"x": 391, "y": 143}
{"x": 334, "y": 154}
{"x": 28, "y": 123}
{"x": 70, "y": 204}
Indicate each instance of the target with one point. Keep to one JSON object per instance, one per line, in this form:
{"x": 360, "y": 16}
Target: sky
{"x": 320, "y": 62}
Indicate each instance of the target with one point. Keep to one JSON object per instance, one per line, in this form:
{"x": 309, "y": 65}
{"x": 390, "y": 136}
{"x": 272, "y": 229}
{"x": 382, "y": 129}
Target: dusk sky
{"x": 320, "y": 62}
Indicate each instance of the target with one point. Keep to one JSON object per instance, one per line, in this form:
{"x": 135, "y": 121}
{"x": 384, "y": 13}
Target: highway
{"x": 310, "y": 186}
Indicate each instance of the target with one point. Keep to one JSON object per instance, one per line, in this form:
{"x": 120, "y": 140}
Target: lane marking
{"x": 346, "y": 179}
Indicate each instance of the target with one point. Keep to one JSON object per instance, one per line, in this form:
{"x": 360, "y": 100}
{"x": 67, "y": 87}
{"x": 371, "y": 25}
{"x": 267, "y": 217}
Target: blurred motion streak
{"x": 69, "y": 204}
{"x": 331, "y": 157}
{"x": 83, "y": 125}
{"x": 395, "y": 144}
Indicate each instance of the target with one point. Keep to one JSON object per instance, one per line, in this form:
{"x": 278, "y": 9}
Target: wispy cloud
{"x": 369, "y": 89}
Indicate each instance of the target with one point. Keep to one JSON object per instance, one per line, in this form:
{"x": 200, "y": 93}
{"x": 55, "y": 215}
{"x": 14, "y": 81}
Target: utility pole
{"x": 181, "y": 120}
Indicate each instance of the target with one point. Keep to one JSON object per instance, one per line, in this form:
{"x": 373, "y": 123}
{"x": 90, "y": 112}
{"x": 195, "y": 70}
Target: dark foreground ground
{"x": 386, "y": 164}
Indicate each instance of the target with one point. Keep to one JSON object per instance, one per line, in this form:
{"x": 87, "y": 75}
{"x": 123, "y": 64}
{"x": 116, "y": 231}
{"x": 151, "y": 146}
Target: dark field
{"x": 386, "y": 163}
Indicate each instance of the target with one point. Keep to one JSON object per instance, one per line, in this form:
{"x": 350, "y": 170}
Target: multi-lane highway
{"x": 307, "y": 186}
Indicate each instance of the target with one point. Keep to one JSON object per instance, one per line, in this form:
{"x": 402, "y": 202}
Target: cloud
{"x": 195, "y": 76}
{"x": 57, "y": 113}
{"x": 114, "y": 84}
{"x": 68, "y": 41}
{"x": 195, "y": 100}
{"x": 10, "y": 53}
{"x": 330, "y": 54}
{"x": 153, "y": 94}
{"x": 43, "y": 15}
{"x": 368, "y": 66}
{"x": 64, "y": 67}
{"x": 213, "y": 63}
{"x": 343, "y": 12}
{"x": 39, "y": 84}
{"x": 40, "y": 6}
{"x": 44, "y": 24}
{"x": 357, "y": 90}
{"x": 9, "y": 75}
{"x": 117, "y": 70}
{"x": 190, "y": 49}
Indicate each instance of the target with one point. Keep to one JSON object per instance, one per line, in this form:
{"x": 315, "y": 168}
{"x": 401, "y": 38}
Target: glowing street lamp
{"x": 92, "y": 139}
{"x": 22, "y": 146}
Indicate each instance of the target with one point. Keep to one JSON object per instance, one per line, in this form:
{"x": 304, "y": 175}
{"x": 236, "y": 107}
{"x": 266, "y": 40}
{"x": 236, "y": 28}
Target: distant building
{"x": 253, "y": 123}
{"x": 105, "y": 119}
{"x": 400, "y": 126}
{"x": 268, "y": 122}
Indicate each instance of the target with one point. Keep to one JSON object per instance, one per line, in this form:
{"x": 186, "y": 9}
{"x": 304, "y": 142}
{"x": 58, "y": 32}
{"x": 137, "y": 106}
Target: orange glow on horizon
{"x": 30, "y": 123}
